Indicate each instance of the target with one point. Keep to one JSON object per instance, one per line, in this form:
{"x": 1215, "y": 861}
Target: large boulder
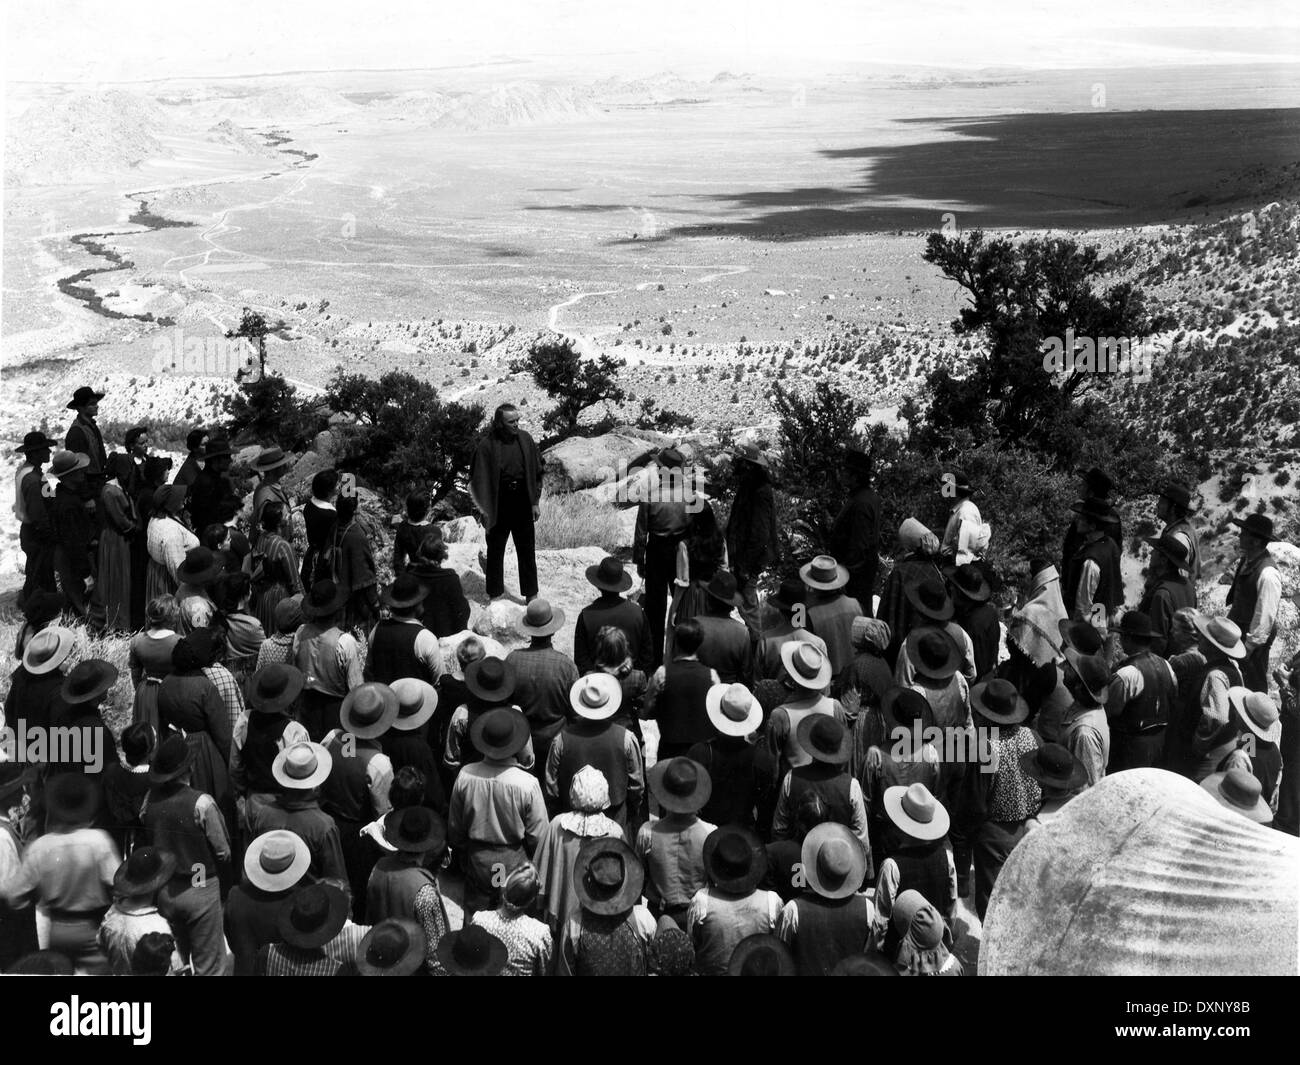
{"x": 586, "y": 461}
{"x": 465, "y": 530}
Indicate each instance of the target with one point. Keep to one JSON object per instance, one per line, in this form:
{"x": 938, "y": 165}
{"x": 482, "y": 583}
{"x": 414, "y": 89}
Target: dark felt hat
{"x": 1260, "y": 525}
{"x": 34, "y": 441}
{"x": 607, "y": 876}
{"x": 72, "y": 798}
{"x": 1054, "y": 766}
{"x": 998, "y": 701}
{"x": 930, "y": 598}
{"x": 415, "y": 830}
{"x": 274, "y": 688}
{"x": 722, "y": 587}
{"x": 609, "y": 576}
{"x": 144, "y": 872}
{"x": 933, "y": 652}
{"x": 1080, "y": 635}
{"x": 762, "y": 954}
{"x": 734, "y": 859}
{"x": 969, "y": 581}
{"x": 681, "y": 785}
{"x": 1172, "y": 548}
{"x": 202, "y": 565}
{"x": 473, "y": 951}
{"x": 313, "y": 915}
{"x": 83, "y": 395}
{"x": 1136, "y": 625}
{"x": 500, "y": 733}
{"x": 393, "y": 947}
{"x": 171, "y": 759}
{"x": 491, "y": 679}
{"x": 825, "y": 739}
{"x": 323, "y": 599}
{"x": 88, "y": 681}
{"x": 1092, "y": 672}
{"x": 405, "y": 591}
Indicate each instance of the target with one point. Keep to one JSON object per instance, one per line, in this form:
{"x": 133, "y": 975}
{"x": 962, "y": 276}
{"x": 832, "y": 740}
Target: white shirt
{"x": 962, "y": 531}
{"x": 1269, "y": 589}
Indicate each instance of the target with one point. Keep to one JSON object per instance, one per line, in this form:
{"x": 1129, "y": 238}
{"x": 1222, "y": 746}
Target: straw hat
{"x": 833, "y": 860}
{"x": 276, "y": 861}
{"x": 416, "y": 701}
{"x": 824, "y": 574}
{"x": 302, "y": 766}
{"x": 368, "y": 710}
{"x": 596, "y": 697}
{"x": 806, "y": 664}
{"x": 916, "y": 812}
{"x": 733, "y": 710}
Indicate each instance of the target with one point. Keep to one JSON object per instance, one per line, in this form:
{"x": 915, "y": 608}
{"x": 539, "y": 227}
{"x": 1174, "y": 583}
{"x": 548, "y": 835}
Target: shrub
{"x": 269, "y": 411}
{"x": 576, "y": 384}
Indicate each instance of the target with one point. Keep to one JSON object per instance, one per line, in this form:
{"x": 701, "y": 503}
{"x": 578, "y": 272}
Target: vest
{"x": 829, "y": 931}
{"x": 830, "y": 784}
{"x": 598, "y": 744}
{"x": 730, "y": 762}
{"x": 392, "y": 653}
{"x": 1110, "y": 593}
{"x": 346, "y": 793}
{"x": 1243, "y": 596}
{"x": 169, "y": 821}
{"x": 261, "y": 745}
{"x": 1194, "y": 559}
{"x": 680, "y": 708}
{"x": 1152, "y": 708}
{"x": 318, "y": 659}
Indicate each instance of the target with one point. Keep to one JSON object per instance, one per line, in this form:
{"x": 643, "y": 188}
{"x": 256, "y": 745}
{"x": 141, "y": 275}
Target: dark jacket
{"x": 485, "y": 473}
{"x": 751, "y": 531}
{"x": 612, "y": 609}
{"x": 855, "y": 543}
{"x": 445, "y": 608}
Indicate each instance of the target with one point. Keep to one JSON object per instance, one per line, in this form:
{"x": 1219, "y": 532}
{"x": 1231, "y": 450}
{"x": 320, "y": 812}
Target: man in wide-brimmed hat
{"x": 35, "y": 532}
{"x": 728, "y": 647}
{"x": 394, "y": 947}
{"x": 672, "y": 847}
{"x": 1206, "y": 674}
{"x": 259, "y": 736}
{"x": 400, "y": 645}
{"x": 490, "y": 684}
{"x": 1091, "y": 583}
{"x": 74, "y": 527}
{"x": 936, "y": 663}
{"x": 420, "y": 838}
{"x": 271, "y": 465}
{"x": 274, "y": 865}
{"x": 1085, "y": 731}
{"x": 974, "y": 613}
{"x": 752, "y": 540}
{"x": 85, "y": 438}
{"x": 299, "y": 771}
{"x": 920, "y": 858}
{"x": 1174, "y": 508}
{"x": 1168, "y": 588}
{"x": 1254, "y": 597}
{"x": 328, "y": 657}
{"x": 662, "y": 522}
{"x": 963, "y": 538}
{"x": 212, "y": 490}
{"x": 355, "y": 791}
{"x": 749, "y": 769}
{"x": 731, "y": 907}
{"x": 1095, "y": 489}
{"x": 610, "y": 608}
{"x": 918, "y": 560}
{"x": 1059, "y": 773}
{"x": 1239, "y": 790}
{"x": 830, "y": 612}
{"x": 309, "y": 922}
{"x": 808, "y": 675}
{"x": 505, "y": 482}
{"x": 903, "y": 756}
{"x": 1260, "y": 724}
{"x": 1143, "y": 691}
{"x": 543, "y": 676}
{"x": 411, "y": 741}
{"x": 611, "y": 933}
{"x": 68, "y": 872}
{"x": 79, "y": 705}
{"x": 933, "y": 608}
{"x": 790, "y": 598}
{"x": 829, "y": 920}
{"x": 675, "y": 696}
{"x": 188, "y": 824}
{"x": 134, "y": 913}
{"x": 35, "y": 684}
{"x": 855, "y": 533}
{"x": 829, "y": 745}
{"x": 497, "y": 812}
{"x": 594, "y": 739}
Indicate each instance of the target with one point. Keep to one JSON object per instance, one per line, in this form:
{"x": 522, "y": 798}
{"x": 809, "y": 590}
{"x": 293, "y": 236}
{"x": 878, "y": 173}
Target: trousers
{"x": 993, "y": 844}
{"x": 514, "y": 518}
{"x": 39, "y": 567}
{"x": 195, "y": 915}
{"x": 660, "y": 568}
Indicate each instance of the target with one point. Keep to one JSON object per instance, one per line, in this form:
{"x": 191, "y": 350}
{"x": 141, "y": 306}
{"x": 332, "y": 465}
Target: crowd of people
{"x": 323, "y": 776}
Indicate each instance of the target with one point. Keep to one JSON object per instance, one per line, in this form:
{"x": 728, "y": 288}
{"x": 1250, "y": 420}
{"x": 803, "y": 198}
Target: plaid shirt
{"x": 543, "y": 679}
{"x": 280, "y": 959}
{"x": 228, "y": 688}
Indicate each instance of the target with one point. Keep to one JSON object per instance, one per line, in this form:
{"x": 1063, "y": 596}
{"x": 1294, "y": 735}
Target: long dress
{"x": 275, "y": 575}
{"x": 696, "y": 565}
{"x": 273, "y": 492}
{"x": 168, "y": 541}
{"x": 150, "y": 657}
{"x": 190, "y": 704}
{"x": 113, "y": 584}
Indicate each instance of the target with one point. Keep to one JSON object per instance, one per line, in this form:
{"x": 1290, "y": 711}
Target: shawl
{"x": 1035, "y": 627}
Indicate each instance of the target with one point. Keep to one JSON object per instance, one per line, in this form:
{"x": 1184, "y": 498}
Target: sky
{"x": 91, "y": 41}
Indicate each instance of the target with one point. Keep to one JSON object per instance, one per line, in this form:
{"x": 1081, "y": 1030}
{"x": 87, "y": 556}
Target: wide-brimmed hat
{"x": 915, "y": 812}
{"x": 681, "y": 785}
{"x": 491, "y": 679}
{"x": 722, "y": 587}
{"x": 172, "y": 758}
{"x": 970, "y": 581}
{"x": 500, "y": 733}
{"x": 933, "y": 652}
{"x": 1222, "y": 633}
{"x": 762, "y": 954}
{"x": 735, "y": 859}
{"x": 1136, "y": 625}
{"x": 871, "y": 963}
{"x": 415, "y": 830}
{"x": 368, "y": 710}
{"x": 1240, "y": 790}
{"x": 607, "y": 876}
{"x": 473, "y": 951}
{"x": 272, "y": 689}
{"x": 1098, "y": 480}
{"x": 1178, "y": 493}
{"x": 416, "y": 701}
{"x": 88, "y": 681}
{"x": 733, "y": 709}
{"x": 929, "y": 598}
{"x": 596, "y": 696}
{"x": 1260, "y": 525}
{"x": 66, "y": 462}
{"x": 1096, "y": 510}
{"x": 1081, "y": 635}
{"x": 276, "y": 860}
{"x": 999, "y": 701}
{"x": 541, "y": 619}
{"x": 270, "y": 458}
{"x": 83, "y": 395}
{"x": 202, "y": 565}
{"x": 751, "y": 453}
{"x": 834, "y": 862}
{"x": 393, "y": 947}
{"x": 1093, "y": 673}
{"x": 72, "y": 798}
{"x": 144, "y": 872}
{"x": 48, "y": 650}
{"x": 903, "y": 708}
{"x": 825, "y": 739}
{"x": 215, "y": 446}
{"x": 302, "y": 766}
{"x": 806, "y": 664}
{"x": 1054, "y": 766}
{"x": 405, "y": 591}
{"x": 1172, "y": 548}
{"x": 323, "y": 599}
{"x": 1257, "y": 712}
{"x": 609, "y": 576}
{"x": 789, "y": 595}
{"x": 313, "y": 915}
{"x": 824, "y": 574}
{"x": 34, "y": 441}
